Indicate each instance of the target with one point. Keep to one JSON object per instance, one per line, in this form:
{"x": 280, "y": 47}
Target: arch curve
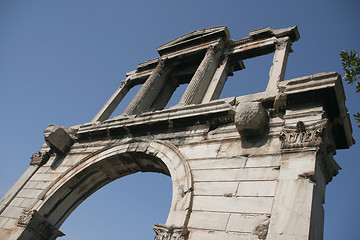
{"x": 112, "y": 162}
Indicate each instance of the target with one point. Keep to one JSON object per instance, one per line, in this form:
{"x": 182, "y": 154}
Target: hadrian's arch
{"x": 244, "y": 167}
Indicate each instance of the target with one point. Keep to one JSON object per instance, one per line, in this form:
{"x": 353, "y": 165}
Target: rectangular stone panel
{"x": 12, "y": 212}
{"x": 30, "y": 184}
{"x": 245, "y": 223}
{"x": 29, "y": 193}
{"x": 217, "y": 235}
{"x": 291, "y": 212}
{"x": 237, "y": 162}
{"x": 202, "y": 150}
{"x": 256, "y": 188}
{"x": 45, "y": 176}
{"x": 295, "y": 165}
{"x": 208, "y": 220}
{"x": 235, "y": 174}
{"x": 232, "y": 204}
{"x": 215, "y": 188}
{"x": 263, "y": 161}
{"x": 3, "y": 221}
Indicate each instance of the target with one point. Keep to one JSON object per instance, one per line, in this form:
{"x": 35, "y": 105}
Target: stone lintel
{"x": 261, "y": 42}
{"x": 263, "y": 33}
{"x": 145, "y": 69}
{"x": 38, "y": 226}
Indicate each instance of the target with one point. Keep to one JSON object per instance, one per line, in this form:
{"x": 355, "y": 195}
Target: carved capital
{"x": 170, "y": 232}
{"x": 162, "y": 61}
{"x": 39, "y": 158}
{"x": 39, "y": 226}
{"x": 282, "y": 43}
{"x": 302, "y": 136}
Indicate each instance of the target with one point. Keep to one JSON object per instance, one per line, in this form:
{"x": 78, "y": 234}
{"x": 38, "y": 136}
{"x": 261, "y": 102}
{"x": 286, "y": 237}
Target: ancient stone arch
{"x": 244, "y": 167}
{"x": 115, "y": 161}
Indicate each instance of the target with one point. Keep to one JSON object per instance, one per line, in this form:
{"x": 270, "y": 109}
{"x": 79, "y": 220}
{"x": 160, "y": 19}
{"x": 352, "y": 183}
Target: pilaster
{"x": 297, "y": 211}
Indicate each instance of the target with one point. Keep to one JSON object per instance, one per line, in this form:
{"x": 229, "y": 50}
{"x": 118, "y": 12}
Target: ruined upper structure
{"x": 245, "y": 167}
{"x": 204, "y": 59}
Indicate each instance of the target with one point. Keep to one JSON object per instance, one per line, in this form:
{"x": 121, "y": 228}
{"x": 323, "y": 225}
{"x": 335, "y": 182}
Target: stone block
{"x": 245, "y": 223}
{"x": 11, "y": 212}
{"x": 30, "y": 184}
{"x": 216, "y": 235}
{"x": 215, "y": 188}
{"x": 298, "y": 165}
{"x": 242, "y": 174}
{"x": 261, "y": 205}
{"x": 195, "y": 151}
{"x": 45, "y": 176}
{"x": 208, "y": 220}
{"x": 237, "y": 162}
{"x": 256, "y": 188}
{"x": 29, "y": 193}
{"x": 16, "y": 202}
{"x": 28, "y": 202}
{"x": 263, "y": 161}
{"x": 59, "y": 139}
{"x": 291, "y": 212}
{"x": 3, "y": 221}
{"x": 230, "y": 148}
{"x": 10, "y": 223}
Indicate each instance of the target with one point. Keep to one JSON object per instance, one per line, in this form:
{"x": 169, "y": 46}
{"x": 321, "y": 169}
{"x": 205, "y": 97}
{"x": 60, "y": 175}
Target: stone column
{"x": 218, "y": 81}
{"x": 277, "y": 71}
{"x": 113, "y": 102}
{"x": 147, "y": 94}
{"x": 204, "y": 72}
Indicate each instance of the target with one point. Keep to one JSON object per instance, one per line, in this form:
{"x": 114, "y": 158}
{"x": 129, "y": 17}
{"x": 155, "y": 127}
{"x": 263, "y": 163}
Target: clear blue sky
{"x": 60, "y": 61}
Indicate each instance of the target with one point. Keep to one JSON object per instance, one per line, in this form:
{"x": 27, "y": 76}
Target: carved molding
{"x": 302, "y": 136}
{"x": 39, "y": 158}
{"x": 38, "y": 225}
{"x": 170, "y": 232}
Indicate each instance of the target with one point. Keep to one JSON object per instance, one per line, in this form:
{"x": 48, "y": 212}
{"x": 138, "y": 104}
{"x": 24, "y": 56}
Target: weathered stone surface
{"x": 266, "y": 183}
{"x": 250, "y": 118}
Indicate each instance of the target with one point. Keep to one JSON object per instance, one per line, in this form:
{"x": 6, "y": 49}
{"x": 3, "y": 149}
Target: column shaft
{"x": 277, "y": 71}
{"x": 204, "y": 70}
{"x": 147, "y": 94}
{"x": 113, "y": 102}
